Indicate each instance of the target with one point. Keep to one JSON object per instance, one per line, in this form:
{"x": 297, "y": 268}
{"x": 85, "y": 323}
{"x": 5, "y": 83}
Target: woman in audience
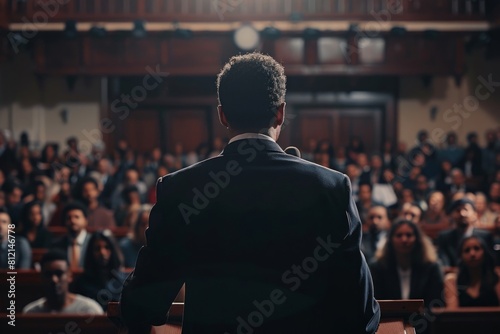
{"x": 406, "y": 267}
{"x": 22, "y": 254}
{"x": 436, "y": 214}
{"x": 102, "y": 277}
{"x": 130, "y": 245}
{"x": 476, "y": 283}
{"x": 32, "y": 227}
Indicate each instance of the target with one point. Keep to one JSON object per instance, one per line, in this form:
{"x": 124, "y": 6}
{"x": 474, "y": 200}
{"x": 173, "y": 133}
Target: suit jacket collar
{"x": 259, "y": 146}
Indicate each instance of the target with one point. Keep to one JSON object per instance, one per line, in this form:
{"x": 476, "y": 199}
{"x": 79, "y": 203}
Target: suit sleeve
{"x": 151, "y": 288}
{"x": 358, "y": 310}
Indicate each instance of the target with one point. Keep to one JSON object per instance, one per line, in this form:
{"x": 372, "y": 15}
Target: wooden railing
{"x": 245, "y": 10}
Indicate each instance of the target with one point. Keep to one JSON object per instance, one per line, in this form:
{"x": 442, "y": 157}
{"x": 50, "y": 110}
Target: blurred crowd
{"x": 424, "y": 210}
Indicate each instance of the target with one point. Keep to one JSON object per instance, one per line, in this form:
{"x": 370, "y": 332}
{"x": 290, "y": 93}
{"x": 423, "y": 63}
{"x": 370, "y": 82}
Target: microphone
{"x": 292, "y": 150}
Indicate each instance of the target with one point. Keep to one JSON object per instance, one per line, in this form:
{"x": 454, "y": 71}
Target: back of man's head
{"x": 250, "y": 89}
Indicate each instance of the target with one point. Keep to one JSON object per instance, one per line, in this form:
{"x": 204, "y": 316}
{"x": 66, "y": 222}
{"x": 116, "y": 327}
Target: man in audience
{"x": 245, "y": 246}
{"x": 98, "y": 216}
{"x": 130, "y": 178}
{"x": 74, "y": 243}
{"x": 56, "y": 277}
{"x": 411, "y": 212}
{"x": 464, "y": 215}
{"x": 374, "y": 238}
{"x": 14, "y": 245}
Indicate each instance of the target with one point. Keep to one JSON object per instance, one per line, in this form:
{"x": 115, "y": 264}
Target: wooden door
{"x": 142, "y": 130}
{"x": 189, "y": 126}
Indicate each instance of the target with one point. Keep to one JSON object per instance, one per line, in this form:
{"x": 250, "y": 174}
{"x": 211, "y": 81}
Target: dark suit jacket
{"x": 64, "y": 242}
{"x": 426, "y": 282}
{"x": 449, "y": 240}
{"x": 265, "y": 242}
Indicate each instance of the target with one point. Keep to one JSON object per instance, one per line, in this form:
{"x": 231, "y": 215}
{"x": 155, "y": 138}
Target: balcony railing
{"x": 17, "y": 11}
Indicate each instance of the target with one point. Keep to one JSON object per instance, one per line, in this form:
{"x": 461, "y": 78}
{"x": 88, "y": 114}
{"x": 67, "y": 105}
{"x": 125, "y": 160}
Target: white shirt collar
{"x": 250, "y": 135}
{"x": 81, "y": 237}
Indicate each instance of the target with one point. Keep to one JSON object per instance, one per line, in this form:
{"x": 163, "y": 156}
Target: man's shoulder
{"x": 84, "y": 304}
{"x": 36, "y": 306}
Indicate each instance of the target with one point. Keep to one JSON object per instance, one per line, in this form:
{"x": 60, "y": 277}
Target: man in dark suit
{"x": 266, "y": 242}
{"x": 74, "y": 243}
{"x": 463, "y": 213}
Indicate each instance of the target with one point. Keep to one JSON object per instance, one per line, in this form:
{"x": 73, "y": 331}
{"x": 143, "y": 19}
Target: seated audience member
{"x": 56, "y": 277}
{"x": 48, "y": 208}
{"x": 99, "y": 217}
{"x": 436, "y": 214}
{"x": 374, "y": 238}
{"x": 21, "y": 246}
{"x": 485, "y": 217}
{"x": 406, "y": 267}
{"x": 411, "y": 212}
{"x": 494, "y": 194}
{"x": 476, "y": 283}
{"x": 464, "y": 216}
{"x": 365, "y": 201}
{"x": 131, "y": 245}
{"x": 102, "y": 278}
{"x": 127, "y": 213}
{"x": 130, "y": 178}
{"x": 74, "y": 243}
{"x": 32, "y": 227}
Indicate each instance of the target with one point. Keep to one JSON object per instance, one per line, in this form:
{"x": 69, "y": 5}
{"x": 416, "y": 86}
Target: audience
{"x": 36, "y": 188}
{"x": 56, "y": 277}
{"x": 476, "y": 283}
{"x": 406, "y": 267}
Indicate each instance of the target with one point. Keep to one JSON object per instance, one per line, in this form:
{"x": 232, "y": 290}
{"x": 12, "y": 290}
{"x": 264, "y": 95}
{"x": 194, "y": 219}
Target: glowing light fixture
{"x": 246, "y": 37}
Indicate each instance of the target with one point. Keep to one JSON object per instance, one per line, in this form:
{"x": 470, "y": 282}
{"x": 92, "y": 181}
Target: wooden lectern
{"x": 395, "y": 317}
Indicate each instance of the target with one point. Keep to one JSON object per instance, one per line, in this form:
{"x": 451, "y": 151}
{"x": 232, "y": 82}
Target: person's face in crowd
{"x": 4, "y": 225}
{"x": 340, "y": 153}
{"x": 446, "y": 166}
{"x": 156, "y": 154}
{"x": 481, "y": 203}
{"x": 495, "y": 190}
{"x": 377, "y": 219}
{"x": 162, "y": 171}
{"x": 178, "y": 149}
{"x": 464, "y": 215}
{"x": 102, "y": 252}
{"x": 75, "y": 222}
{"x": 422, "y": 184}
{"x": 415, "y": 172}
{"x": 49, "y": 152}
{"x": 436, "y": 202}
{"x": 472, "y": 253}
{"x": 56, "y": 278}
{"x": 90, "y": 192}
{"x": 362, "y": 160}
{"x": 403, "y": 240}
{"x": 14, "y": 197}
{"x": 131, "y": 177}
{"x": 311, "y": 145}
{"x": 376, "y": 162}
{"x": 323, "y": 160}
{"x": 365, "y": 193}
{"x": 352, "y": 171}
{"x": 412, "y": 213}
{"x": 35, "y": 215}
{"x": 408, "y": 196}
{"x": 491, "y": 136}
{"x": 457, "y": 177}
{"x": 103, "y": 166}
{"x": 40, "y": 192}
{"x": 26, "y": 166}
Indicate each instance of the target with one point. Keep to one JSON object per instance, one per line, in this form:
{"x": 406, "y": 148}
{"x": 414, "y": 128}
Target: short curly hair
{"x": 250, "y": 89}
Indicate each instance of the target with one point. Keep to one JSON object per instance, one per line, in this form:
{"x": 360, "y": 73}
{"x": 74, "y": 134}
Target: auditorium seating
{"x": 465, "y": 320}
{"x": 60, "y": 231}
{"x": 395, "y": 316}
